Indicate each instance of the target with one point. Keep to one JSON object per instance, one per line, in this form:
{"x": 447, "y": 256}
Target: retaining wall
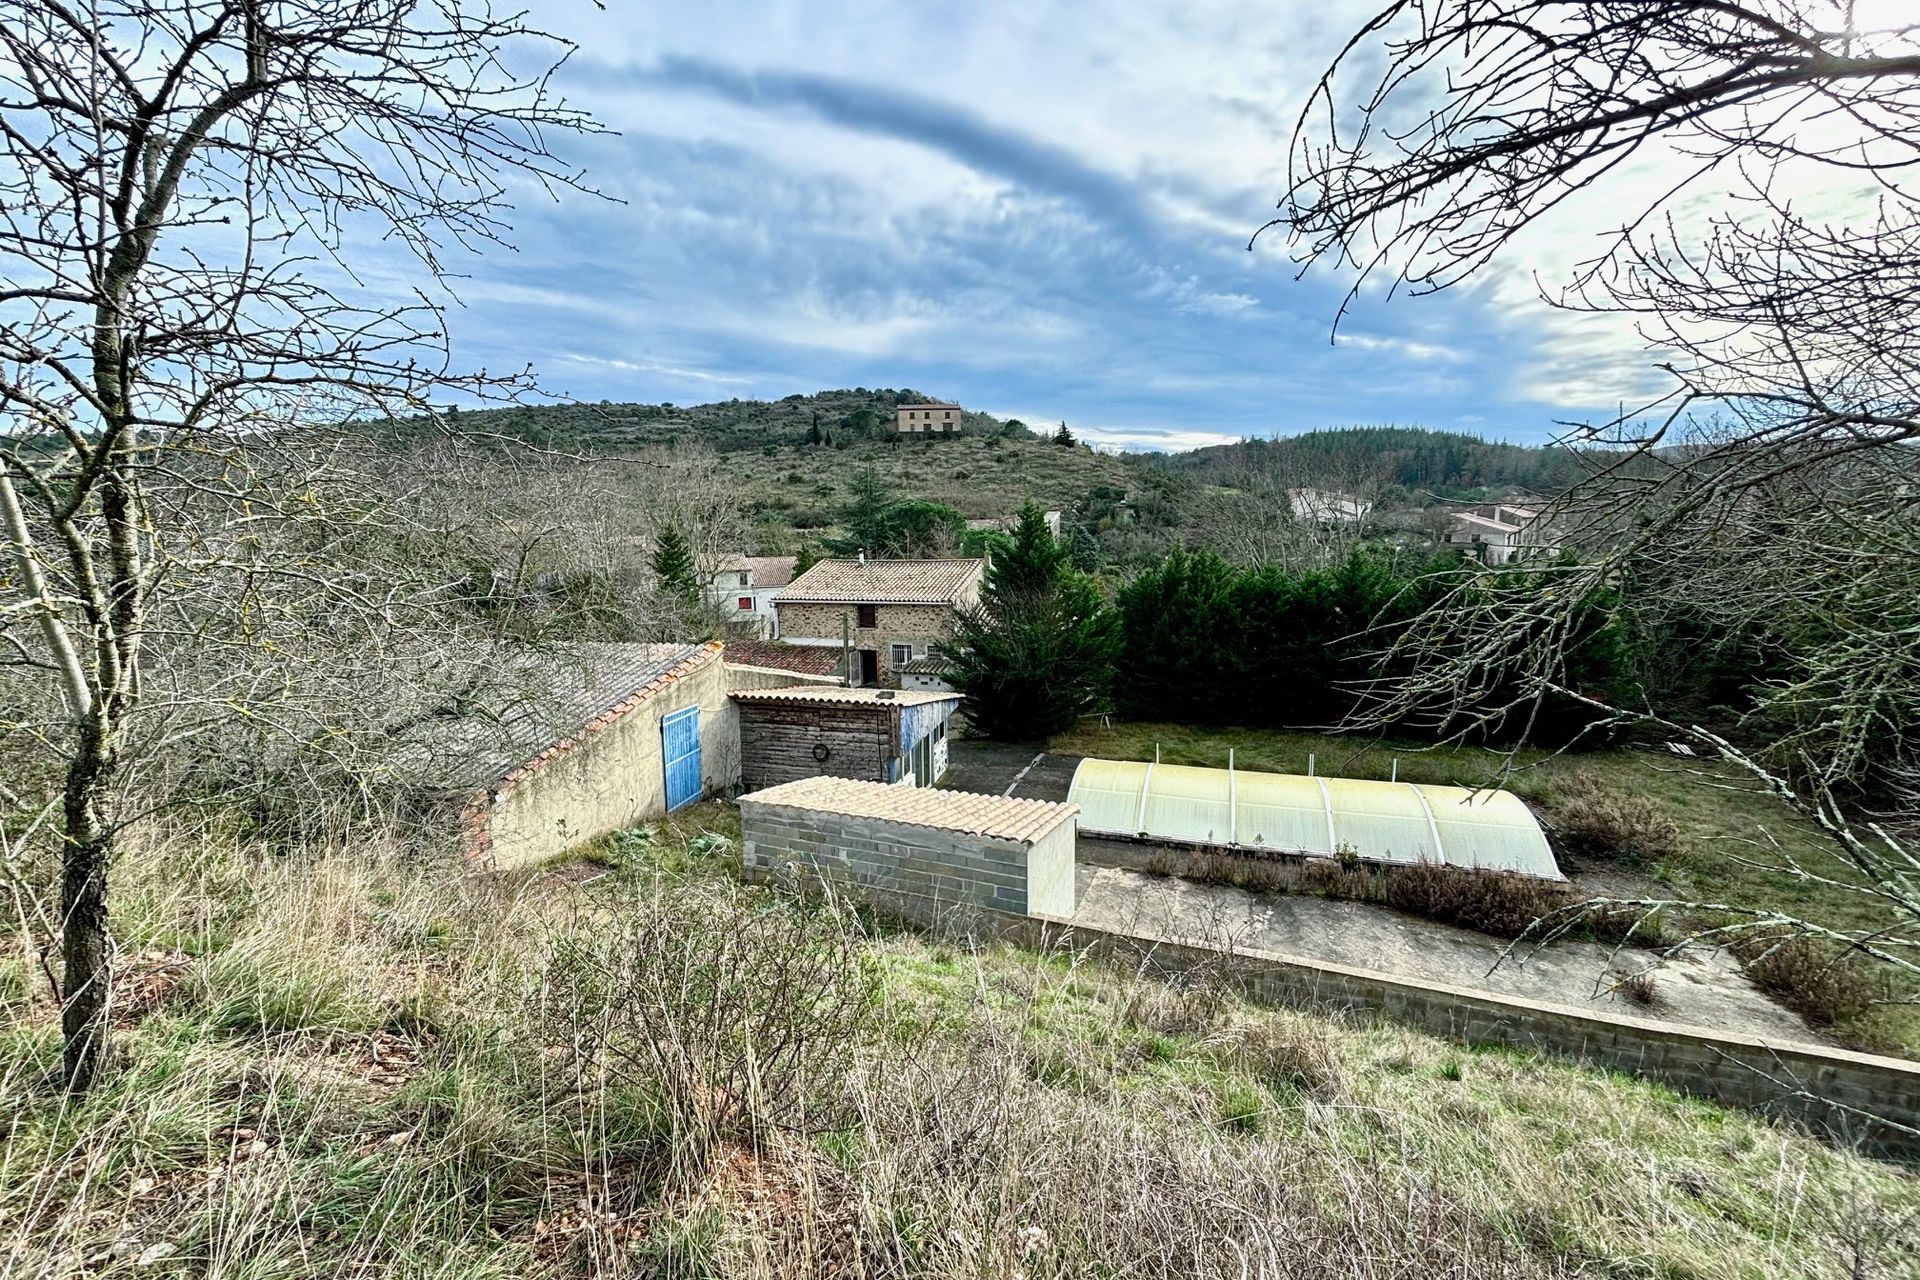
{"x": 1855, "y": 1098}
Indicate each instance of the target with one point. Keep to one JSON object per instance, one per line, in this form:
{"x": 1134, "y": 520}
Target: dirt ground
{"x": 1698, "y": 988}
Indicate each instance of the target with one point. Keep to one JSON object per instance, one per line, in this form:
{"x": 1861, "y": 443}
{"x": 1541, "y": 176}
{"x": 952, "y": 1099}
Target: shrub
{"x": 1809, "y": 977}
{"x": 1594, "y": 819}
{"x": 733, "y": 1018}
{"x": 1501, "y": 903}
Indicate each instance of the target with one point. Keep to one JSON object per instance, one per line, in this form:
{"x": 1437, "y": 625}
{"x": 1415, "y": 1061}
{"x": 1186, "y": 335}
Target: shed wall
{"x": 919, "y": 869}
{"x": 777, "y": 742}
{"x": 612, "y": 777}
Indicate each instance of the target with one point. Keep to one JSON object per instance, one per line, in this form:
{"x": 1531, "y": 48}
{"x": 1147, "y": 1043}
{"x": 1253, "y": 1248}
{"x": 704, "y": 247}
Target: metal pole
{"x": 1396, "y": 770}
{"x": 846, "y": 654}
{"x": 1310, "y": 772}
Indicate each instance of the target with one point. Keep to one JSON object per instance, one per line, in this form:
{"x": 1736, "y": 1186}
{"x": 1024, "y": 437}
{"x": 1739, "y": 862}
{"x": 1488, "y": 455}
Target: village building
{"x": 591, "y": 739}
{"x": 932, "y": 674}
{"x": 1497, "y": 532}
{"x": 880, "y": 735}
{"x": 885, "y": 613}
{"x": 1327, "y": 507}
{"x": 919, "y": 419}
{"x": 1007, "y": 524}
{"x": 743, "y": 588}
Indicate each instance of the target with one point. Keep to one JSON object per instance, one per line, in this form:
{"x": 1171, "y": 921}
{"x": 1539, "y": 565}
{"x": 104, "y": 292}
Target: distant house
{"x": 881, "y": 735}
{"x": 743, "y": 587}
{"x": 940, "y": 419}
{"x": 1327, "y": 507}
{"x": 1497, "y": 532}
{"x": 886, "y": 612}
{"x": 1007, "y": 524}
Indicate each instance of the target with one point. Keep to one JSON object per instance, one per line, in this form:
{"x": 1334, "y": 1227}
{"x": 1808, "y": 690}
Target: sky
{"x": 1039, "y": 210}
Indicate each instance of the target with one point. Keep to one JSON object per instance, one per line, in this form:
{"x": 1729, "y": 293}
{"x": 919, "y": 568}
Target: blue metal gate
{"x": 680, "y": 745}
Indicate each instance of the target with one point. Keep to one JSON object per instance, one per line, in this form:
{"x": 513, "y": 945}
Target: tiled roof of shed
{"x": 883, "y": 582}
{"x": 931, "y": 665}
{"x": 548, "y": 701}
{"x": 801, "y": 659}
{"x": 995, "y": 817}
{"x": 864, "y": 696}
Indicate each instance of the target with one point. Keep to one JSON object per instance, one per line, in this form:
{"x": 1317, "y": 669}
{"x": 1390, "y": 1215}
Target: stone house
{"x": 808, "y": 731}
{"x": 887, "y": 613}
{"x": 920, "y": 419}
{"x": 742, "y": 588}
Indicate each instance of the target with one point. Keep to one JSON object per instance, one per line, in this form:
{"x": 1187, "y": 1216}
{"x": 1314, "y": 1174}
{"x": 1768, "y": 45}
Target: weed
{"x": 1595, "y": 819}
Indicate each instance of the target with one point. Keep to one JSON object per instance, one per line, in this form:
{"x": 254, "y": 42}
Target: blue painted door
{"x": 680, "y": 745}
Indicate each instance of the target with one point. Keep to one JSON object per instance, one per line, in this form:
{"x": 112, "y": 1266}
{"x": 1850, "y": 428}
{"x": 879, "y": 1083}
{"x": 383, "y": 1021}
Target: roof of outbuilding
{"x": 931, "y": 665}
{"x": 801, "y": 659}
{"x": 883, "y": 582}
{"x": 864, "y": 696}
{"x": 549, "y": 700}
{"x": 995, "y": 817}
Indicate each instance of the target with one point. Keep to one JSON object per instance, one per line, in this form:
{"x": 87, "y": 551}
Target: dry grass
{"x": 357, "y": 1065}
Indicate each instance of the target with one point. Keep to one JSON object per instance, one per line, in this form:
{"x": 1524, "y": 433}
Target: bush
{"x": 1501, "y": 903}
{"x": 733, "y": 1019}
{"x": 1809, "y": 977}
{"x": 1592, "y": 818}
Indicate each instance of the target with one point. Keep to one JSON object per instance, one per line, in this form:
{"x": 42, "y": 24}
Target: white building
{"x": 1499, "y": 531}
{"x": 1326, "y": 506}
{"x": 1007, "y": 524}
{"x": 743, "y": 588}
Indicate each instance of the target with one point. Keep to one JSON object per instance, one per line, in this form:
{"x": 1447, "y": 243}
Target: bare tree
{"x": 1769, "y": 486}
{"x": 190, "y": 193}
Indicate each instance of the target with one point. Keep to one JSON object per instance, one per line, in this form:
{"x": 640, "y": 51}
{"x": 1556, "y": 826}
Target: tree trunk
{"x": 88, "y": 853}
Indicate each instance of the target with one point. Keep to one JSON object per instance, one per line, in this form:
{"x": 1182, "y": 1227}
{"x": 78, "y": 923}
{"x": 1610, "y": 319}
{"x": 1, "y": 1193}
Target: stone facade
{"x": 937, "y": 419}
{"x": 915, "y": 625}
{"x": 916, "y": 870}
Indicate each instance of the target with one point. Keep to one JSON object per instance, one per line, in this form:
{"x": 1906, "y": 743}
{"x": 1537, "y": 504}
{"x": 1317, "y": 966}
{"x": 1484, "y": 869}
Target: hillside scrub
{"x": 351, "y": 1062}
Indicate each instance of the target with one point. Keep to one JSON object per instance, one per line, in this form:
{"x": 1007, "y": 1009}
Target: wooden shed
{"x": 808, "y": 731}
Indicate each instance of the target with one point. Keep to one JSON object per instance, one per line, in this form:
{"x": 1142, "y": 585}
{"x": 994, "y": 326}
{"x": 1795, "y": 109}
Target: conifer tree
{"x": 1038, "y": 652}
{"x": 673, "y": 565}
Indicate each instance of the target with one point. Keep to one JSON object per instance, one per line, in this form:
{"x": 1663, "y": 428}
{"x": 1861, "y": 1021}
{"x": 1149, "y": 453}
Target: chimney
{"x": 863, "y": 556}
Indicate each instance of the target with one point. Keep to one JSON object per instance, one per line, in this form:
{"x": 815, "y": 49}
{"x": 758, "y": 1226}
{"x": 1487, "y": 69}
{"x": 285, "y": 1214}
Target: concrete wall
{"x": 1050, "y": 867}
{"x": 1857, "y": 1099}
{"x": 907, "y": 869}
{"x": 610, "y": 776}
{"x": 914, "y": 624}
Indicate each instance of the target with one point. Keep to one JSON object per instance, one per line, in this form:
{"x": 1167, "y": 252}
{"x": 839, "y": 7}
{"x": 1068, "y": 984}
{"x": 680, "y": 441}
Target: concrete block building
{"x": 919, "y": 853}
{"x": 886, "y": 612}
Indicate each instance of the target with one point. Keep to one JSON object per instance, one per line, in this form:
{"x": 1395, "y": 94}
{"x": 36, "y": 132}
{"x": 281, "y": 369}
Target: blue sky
{"x": 1038, "y": 210}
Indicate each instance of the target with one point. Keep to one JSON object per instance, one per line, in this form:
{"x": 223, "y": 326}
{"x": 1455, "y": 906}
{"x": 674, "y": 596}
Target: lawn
{"x": 352, "y": 1062}
{"x": 1735, "y": 843}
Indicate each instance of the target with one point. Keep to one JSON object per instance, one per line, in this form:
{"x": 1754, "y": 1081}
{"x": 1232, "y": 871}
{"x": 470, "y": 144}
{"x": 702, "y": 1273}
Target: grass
{"x": 355, "y": 1064}
{"x": 1733, "y": 844}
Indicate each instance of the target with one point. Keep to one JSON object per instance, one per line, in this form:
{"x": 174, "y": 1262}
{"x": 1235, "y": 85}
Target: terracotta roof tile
{"x": 995, "y": 817}
{"x": 801, "y": 659}
{"x": 885, "y": 582}
{"x": 865, "y": 696}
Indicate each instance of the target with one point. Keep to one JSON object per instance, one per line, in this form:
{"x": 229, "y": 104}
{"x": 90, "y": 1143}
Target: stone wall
{"x": 919, "y": 872}
{"x": 914, "y": 624}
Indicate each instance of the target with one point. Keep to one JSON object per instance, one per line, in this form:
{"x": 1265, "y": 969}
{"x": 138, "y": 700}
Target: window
{"x": 867, "y": 615}
{"x": 743, "y": 579}
{"x": 939, "y": 733}
{"x": 746, "y": 604}
{"x": 902, "y": 654}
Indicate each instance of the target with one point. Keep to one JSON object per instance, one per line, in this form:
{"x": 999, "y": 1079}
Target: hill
{"x": 1416, "y": 461}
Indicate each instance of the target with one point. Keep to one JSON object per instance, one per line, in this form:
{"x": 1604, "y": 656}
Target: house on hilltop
{"x": 743, "y": 587}
{"x": 886, "y": 612}
{"x": 935, "y": 418}
{"x": 1007, "y": 524}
